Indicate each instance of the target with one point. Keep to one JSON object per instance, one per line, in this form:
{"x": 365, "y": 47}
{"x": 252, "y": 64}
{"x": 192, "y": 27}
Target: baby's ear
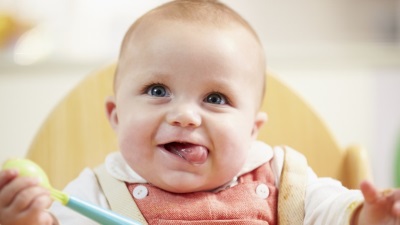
{"x": 260, "y": 119}
{"x": 111, "y": 111}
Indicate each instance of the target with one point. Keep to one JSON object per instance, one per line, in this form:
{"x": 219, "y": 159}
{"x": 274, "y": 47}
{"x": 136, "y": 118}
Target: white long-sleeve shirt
{"x": 327, "y": 202}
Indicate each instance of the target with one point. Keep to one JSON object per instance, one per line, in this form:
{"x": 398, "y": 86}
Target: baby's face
{"x": 186, "y": 105}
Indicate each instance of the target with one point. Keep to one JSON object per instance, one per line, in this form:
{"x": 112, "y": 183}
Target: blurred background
{"x": 341, "y": 56}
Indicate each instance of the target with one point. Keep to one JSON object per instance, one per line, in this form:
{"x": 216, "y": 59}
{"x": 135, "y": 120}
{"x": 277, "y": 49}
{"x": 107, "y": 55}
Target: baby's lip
{"x": 193, "y": 153}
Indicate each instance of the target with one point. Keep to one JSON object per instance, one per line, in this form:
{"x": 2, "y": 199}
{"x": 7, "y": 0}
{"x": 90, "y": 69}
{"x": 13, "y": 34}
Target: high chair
{"x": 76, "y": 134}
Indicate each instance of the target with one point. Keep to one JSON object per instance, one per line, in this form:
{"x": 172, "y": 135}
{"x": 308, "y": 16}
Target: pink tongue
{"x": 194, "y": 154}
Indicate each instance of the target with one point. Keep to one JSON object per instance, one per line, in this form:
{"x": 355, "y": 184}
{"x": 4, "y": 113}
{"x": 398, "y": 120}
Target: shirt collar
{"x": 116, "y": 165}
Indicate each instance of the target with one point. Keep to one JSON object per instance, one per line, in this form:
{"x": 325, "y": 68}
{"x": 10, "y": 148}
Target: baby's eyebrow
{"x": 158, "y": 76}
{"x": 157, "y": 73}
{"x": 221, "y": 82}
{"x": 223, "y": 87}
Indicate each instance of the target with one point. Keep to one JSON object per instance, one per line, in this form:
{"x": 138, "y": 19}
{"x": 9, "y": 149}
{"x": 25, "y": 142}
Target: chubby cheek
{"x": 136, "y": 149}
{"x": 135, "y": 138}
{"x": 233, "y": 151}
{"x": 232, "y": 145}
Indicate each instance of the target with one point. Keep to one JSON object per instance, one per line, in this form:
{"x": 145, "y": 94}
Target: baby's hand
{"x": 23, "y": 201}
{"x": 380, "y": 207}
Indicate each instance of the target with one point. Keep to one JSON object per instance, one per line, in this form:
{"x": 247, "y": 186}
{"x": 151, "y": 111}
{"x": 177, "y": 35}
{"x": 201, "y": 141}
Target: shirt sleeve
{"x": 84, "y": 187}
{"x": 327, "y": 201}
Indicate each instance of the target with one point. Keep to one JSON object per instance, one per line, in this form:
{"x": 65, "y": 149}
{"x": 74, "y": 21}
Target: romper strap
{"x": 292, "y": 188}
{"x": 118, "y": 196}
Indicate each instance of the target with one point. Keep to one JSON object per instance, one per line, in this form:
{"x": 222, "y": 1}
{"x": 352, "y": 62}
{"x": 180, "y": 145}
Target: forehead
{"x": 186, "y": 36}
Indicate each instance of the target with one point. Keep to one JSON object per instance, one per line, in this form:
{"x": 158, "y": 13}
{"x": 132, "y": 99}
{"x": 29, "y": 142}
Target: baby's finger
{"x": 9, "y": 191}
{"x": 36, "y": 212}
{"x": 40, "y": 203}
{"x": 393, "y": 196}
{"x": 370, "y": 193}
{"x": 6, "y": 176}
{"x": 27, "y": 197}
{"x": 396, "y": 209}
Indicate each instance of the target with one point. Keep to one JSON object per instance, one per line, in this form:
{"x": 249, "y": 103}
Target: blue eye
{"x": 216, "y": 98}
{"x": 157, "y": 91}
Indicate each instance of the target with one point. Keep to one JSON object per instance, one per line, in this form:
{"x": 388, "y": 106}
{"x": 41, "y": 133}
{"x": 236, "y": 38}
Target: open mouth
{"x": 195, "y": 154}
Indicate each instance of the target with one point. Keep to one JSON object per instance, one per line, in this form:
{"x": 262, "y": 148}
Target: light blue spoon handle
{"x": 98, "y": 214}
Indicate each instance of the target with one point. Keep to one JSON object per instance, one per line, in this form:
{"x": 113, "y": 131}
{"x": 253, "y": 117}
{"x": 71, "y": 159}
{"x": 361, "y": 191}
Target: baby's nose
{"x": 184, "y": 116}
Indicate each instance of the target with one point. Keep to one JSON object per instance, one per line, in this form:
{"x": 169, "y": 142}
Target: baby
{"x": 188, "y": 89}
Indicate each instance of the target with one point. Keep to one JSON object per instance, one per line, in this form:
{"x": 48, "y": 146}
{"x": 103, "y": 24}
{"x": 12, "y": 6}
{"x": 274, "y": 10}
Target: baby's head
{"x": 188, "y": 87}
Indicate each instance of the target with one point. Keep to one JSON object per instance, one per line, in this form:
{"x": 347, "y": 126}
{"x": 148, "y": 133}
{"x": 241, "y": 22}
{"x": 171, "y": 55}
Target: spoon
{"x": 28, "y": 168}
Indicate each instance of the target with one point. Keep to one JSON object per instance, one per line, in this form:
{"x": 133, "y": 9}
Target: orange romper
{"x": 240, "y": 204}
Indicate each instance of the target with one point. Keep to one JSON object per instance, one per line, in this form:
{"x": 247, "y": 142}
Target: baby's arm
{"x": 379, "y": 207}
{"x": 23, "y": 201}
